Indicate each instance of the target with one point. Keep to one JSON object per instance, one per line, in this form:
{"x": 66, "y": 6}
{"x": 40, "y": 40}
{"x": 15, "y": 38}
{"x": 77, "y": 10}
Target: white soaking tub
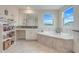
{"x": 62, "y": 42}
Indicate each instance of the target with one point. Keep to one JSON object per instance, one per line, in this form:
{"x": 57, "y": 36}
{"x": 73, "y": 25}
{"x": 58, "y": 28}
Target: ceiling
{"x": 40, "y": 6}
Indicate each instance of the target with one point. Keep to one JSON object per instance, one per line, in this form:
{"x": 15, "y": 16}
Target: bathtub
{"x": 62, "y": 42}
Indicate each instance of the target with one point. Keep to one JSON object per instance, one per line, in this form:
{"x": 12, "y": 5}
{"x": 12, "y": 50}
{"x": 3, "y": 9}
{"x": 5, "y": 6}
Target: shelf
{"x": 7, "y": 35}
{"x": 10, "y": 46}
{"x": 5, "y": 32}
{"x": 8, "y": 38}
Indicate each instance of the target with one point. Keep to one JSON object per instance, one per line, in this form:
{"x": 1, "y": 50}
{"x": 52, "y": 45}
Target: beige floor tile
{"x": 23, "y": 46}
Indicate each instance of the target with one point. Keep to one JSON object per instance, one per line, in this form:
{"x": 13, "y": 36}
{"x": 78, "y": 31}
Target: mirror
{"x": 30, "y": 20}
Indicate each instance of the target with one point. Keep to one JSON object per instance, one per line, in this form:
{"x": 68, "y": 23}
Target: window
{"x": 48, "y": 18}
{"x": 68, "y": 16}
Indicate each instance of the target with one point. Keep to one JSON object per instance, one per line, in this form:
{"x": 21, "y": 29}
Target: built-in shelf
{"x": 8, "y": 38}
{"x": 13, "y": 30}
{"x": 7, "y": 30}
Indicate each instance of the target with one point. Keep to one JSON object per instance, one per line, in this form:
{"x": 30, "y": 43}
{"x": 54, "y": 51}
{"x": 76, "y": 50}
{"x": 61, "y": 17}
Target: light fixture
{"x": 28, "y": 11}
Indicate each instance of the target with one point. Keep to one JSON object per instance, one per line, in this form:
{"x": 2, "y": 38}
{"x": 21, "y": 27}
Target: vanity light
{"x": 28, "y": 11}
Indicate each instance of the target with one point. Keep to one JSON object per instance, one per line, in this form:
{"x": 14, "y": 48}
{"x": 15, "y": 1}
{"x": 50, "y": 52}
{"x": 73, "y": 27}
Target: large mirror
{"x": 30, "y": 20}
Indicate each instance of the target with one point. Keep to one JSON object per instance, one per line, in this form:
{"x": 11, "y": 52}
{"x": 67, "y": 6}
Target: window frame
{"x": 53, "y": 17}
{"x": 63, "y": 16}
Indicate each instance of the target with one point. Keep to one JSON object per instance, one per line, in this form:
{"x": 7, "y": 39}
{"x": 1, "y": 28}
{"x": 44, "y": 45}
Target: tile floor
{"x": 23, "y": 46}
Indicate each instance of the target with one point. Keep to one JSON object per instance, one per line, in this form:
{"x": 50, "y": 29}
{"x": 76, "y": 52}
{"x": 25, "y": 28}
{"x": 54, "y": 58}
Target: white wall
{"x": 76, "y": 27}
{"x": 40, "y": 24}
{"x": 40, "y": 20}
{"x": 19, "y": 17}
{"x": 76, "y": 24}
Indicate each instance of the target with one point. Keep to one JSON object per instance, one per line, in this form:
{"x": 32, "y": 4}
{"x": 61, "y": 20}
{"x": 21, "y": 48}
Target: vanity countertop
{"x": 26, "y": 27}
{"x": 75, "y": 30}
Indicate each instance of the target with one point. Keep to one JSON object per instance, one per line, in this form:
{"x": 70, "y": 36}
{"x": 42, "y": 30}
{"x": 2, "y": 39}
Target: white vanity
{"x": 26, "y": 33}
{"x": 28, "y": 28}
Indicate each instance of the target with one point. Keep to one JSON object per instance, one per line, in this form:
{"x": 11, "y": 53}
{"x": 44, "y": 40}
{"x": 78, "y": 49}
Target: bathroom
{"x": 40, "y": 28}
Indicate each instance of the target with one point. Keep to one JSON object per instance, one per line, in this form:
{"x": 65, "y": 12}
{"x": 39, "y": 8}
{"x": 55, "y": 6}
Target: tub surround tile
{"x": 60, "y": 45}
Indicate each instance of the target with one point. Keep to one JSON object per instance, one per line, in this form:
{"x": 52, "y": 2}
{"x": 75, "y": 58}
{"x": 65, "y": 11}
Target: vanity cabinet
{"x": 27, "y": 34}
{"x": 20, "y": 34}
{"x": 31, "y": 34}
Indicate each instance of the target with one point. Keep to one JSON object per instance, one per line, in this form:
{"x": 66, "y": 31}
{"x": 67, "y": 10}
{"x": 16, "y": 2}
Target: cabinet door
{"x": 28, "y": 34}
{"x": 20, "y": 34}
{"x": 31, "y": 35}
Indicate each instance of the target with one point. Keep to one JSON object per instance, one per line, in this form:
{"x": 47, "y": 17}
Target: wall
{"x": 12, "y": 10}
{"x": 76, "y": 24}
{"x": 76, "y": 27}
{"x": 18, "y": 17}
{"x": 21, "y": 19}
{"x": 40, "y": 20}
{"x": 40, "y": 24}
